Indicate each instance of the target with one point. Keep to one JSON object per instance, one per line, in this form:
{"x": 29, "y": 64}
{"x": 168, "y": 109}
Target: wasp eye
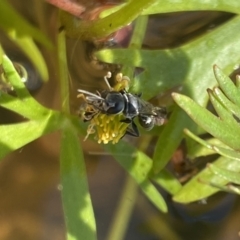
{"x": 146, "y": 122}
{"x": 114, "y": 103}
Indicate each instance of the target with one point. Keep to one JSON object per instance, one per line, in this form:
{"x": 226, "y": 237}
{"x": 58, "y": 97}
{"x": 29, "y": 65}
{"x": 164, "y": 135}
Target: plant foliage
{"x": 188, "y": 66}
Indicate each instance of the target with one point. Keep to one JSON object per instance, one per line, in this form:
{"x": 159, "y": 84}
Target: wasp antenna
{"x": 90, "y": 94}
{"x": 109, "y": 74}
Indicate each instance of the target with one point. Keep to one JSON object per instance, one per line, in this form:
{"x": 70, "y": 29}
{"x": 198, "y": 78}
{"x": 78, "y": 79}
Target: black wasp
{"x": 111, "y": 102}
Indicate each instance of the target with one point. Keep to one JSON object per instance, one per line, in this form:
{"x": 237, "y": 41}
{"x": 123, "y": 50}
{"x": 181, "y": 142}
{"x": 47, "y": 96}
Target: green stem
{"x": 124, "y": 210}
{"x": 101, "y": 28}
{"x": 136, "y": 42}
{"x": 63, "y": 72}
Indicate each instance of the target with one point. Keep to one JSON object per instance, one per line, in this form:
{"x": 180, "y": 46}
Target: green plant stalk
{"x": 77, "y": 205}
{"x": 136, "y": 43}
{"x": 101, "y": 28}
{"x": 125, "y": 207}
{"x": 63, "y": 72}
{"x": 124, "y": 210}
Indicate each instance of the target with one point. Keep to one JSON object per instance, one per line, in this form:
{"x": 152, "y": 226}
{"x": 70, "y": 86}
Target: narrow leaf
{"x": 193, "y": 5}
{"x": 29, "y": 47}
{"x": 163, "y": 151}
{"x": 227, "y": 86}
{"x": 166, "y": 180}
{"x": 138, "y": 165}
{"x": 233, "y": 108}
{"x": 199, "y": 187}
{"x": 224, "y": 114}
{"x": 227, "y": 133}
{"x": 230, "y": 176}
{"x": 223, "y": 151}
{"x": 76, "y": 199}
{"x": 229, "y": 153}
{"x": 21, "y": 91}
{"x": 14, "y": 136}
{"x": 10, "y": 19}
{"x": 14, "y": 78}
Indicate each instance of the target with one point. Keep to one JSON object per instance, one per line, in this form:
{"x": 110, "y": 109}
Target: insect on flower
{"x": 112, "y": 111}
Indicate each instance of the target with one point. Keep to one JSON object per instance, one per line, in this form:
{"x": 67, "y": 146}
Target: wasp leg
{"x": 126, "y": 120}
{"x": 132, "y": 130}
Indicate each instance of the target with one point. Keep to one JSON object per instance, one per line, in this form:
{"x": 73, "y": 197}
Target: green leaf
{"x": 226, "y": 102}
{"x": 196, "y": 150}
{"x": 227, "y": 86}
{"x": 12, "y": 20}
{"x": 193, "y": 5}
{"x": 21, "y": 107}
{"x": 158, "y": 65}
{"x": 229, "y": 153}
{"x": 200, "y": 187}
{"x": 163, "y": 151}
{"x": 27, "y": 45}
{"x": 24, "y": 99}
{"x": 137, "y": 164}
{"x": 185, "y": 5}
{"x": 224, "y": 114}
{"x": 214, "y": 146}
{"x": 15, "y": 136}
{"x": 14, "y": 78}
{"x": 100, "y": 28}
{"x": 230, "y": 176}
{"x": 63, "y": 72}
{"x": 76, "y": 199}
{"x": 183, "y": 66}
{"x": 168, "y": 181}
{"x": 224, "y": 131}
